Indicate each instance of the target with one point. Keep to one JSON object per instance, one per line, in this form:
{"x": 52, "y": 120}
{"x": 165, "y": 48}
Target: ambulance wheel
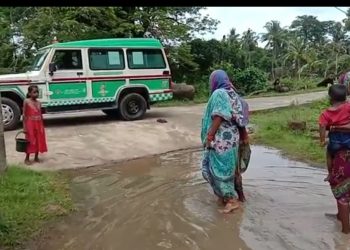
{"x": 11, "y": 113}
{"x": 132, "y": 107}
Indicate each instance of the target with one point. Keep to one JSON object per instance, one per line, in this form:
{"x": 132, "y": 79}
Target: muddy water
{"x": 163, "y": 203}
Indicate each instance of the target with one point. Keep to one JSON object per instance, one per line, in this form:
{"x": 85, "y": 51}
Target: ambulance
{"x": 121, "y": 77}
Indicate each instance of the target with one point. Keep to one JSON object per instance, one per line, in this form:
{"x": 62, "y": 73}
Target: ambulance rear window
{"x": 145, "y": 59}
{"x": 106, "y": 59}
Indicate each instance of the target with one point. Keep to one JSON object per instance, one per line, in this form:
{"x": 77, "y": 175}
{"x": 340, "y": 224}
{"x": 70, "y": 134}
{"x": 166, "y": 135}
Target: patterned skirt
{"x": 340, "y": 176}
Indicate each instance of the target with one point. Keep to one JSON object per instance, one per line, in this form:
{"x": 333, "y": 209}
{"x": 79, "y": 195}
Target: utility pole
{"x": 3, "y": 163}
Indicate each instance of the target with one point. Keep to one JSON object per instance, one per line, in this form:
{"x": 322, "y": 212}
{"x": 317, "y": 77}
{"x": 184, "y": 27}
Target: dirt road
{"x": 89, "y": 138}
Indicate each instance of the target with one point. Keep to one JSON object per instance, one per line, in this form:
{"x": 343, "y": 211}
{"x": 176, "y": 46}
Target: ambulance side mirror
{"x": 52, "y": 68}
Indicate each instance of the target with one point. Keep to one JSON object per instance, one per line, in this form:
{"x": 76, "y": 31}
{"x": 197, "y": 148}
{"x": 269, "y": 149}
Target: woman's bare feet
{"x": 37, "y": 160}
{"x": 343, "y": 215}
{"x": 230, "y": 206}
{"x": 27, "y": 162}
{"x": 327, "y": 178}
{"x": 241, "y": 196}
{"x": 221, "y": 202}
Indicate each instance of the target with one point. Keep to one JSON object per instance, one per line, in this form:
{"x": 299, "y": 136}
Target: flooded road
{"x": 163, "y": 203}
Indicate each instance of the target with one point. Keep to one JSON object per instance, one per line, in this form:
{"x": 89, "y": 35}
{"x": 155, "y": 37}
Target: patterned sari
{"x": 220, "y": 161}
{"x": 345, "y": 79}
{"x": 340, "y": 176}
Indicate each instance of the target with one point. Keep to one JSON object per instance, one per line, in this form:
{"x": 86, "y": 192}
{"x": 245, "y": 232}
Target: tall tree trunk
{"x": 246, "y": 59}
{"x": 336, "y": 64}
{"x": 3, "y": 164}
{"x": 274, "y": 62}
{"x": 249, "y": 58}
{"x": 326, "y": 71}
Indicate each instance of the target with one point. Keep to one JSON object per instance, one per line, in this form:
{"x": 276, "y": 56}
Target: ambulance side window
{"x": 146, "y": 59}
{"x": 106, "y": 59}
{"x": 68, "y": 59}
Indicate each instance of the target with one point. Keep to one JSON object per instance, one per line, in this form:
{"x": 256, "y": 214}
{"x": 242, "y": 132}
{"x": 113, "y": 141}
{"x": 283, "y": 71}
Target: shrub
{"x": 246, "y": 81}
{"x": 6, "y": 71}
{"x": 304, "y": 83}
{"x": 202, "y": 87}
{"x": 250, "y": 80}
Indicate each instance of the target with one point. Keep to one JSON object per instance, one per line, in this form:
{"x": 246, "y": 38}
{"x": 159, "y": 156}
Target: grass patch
{"x": 28, "y": 199}
{"x": 272, "y": 130}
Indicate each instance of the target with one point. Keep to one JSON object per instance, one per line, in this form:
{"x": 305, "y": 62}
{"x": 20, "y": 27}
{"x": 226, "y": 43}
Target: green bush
{"x": 250, "y": 80}
{"x": 202, "y": 87}
{"x": 247, "y": 81}
{"x": 6, "y": 71}
{"x": 303, "y": 83}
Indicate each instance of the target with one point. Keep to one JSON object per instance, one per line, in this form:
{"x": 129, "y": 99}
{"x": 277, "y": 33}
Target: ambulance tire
{"x": 11, "y": 113}
{"x": 132, "y": 107}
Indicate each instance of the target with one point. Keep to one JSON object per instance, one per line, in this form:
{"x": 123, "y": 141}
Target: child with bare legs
{"x": 336, "y": 119}
{"x": 33, "y": 125}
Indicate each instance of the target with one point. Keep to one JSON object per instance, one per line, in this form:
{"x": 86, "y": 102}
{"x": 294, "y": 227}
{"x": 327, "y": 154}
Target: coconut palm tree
{"x": 297, "y": 53}
{"x": 275, "y": 38}
{"x": 233, "y": 36}
{"x": 249, "y": 42}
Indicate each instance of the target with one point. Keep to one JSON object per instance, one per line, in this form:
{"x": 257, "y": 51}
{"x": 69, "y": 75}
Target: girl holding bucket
{"x": 33, "y": 125}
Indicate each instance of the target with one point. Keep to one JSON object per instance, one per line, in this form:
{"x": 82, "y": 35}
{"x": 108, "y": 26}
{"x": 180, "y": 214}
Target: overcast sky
{"x": 255, "y": 18}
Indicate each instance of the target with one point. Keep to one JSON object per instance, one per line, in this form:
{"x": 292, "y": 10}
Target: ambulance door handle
{"x": 79, "y": 73}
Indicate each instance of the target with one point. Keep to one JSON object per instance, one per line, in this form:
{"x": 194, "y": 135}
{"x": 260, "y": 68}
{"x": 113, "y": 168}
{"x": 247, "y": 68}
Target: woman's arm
{"x": 324, "y": 122}
{"x": 212, "y": 131}
{"x": 322, "y": 131}
{"x": 220, "y": 110}
{"x": 243, "y": 135}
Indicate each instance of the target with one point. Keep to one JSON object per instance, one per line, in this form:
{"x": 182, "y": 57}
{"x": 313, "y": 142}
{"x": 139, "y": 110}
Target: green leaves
{"x": 307, "y": 47}
{"x": 250, "y": 80}
{"x": 246, "y": 80}
{"x": 35, "y": 27}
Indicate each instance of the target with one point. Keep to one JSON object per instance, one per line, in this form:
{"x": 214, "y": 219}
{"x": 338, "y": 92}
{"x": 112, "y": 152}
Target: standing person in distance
{"x": 33, "y": 125}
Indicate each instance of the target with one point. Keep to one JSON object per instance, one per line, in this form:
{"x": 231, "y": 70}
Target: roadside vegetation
{"x": 300, "y": 55}
{"x": 27, "y": 200}
{"x": 201, "y": 100}
{"x": 293, "y": 129}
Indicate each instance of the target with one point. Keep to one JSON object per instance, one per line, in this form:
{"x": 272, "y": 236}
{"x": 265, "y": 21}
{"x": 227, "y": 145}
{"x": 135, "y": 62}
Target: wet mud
{"x": 164, "y": 203}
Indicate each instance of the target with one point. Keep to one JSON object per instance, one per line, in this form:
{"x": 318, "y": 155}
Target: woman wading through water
{"x": 339, "y": 180}
{"x": 224, "y": 119}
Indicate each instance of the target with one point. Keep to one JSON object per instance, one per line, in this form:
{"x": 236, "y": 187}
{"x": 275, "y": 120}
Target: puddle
{"x": 163, "y": 203}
